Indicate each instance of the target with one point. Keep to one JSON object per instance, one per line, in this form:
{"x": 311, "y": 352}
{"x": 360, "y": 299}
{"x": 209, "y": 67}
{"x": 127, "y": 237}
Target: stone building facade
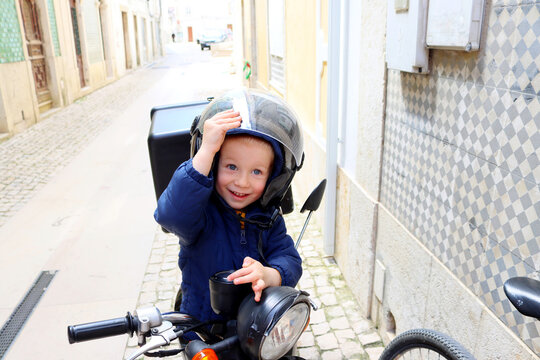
{"x": 434, "y": 178}
{"x": 53, "y": 52}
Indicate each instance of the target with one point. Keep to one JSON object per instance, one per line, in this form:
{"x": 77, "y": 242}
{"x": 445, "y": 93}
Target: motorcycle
{"x": 267, "y": 329}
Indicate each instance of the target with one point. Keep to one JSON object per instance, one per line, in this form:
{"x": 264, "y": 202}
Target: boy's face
{"x": 243, "y": 168}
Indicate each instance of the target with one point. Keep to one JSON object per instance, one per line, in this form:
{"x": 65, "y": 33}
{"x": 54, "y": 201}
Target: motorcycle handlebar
{"x": 101, "y": 329}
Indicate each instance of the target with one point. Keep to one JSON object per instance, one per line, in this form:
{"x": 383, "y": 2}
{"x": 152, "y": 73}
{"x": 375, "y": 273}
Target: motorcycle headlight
{"x": 271, "y": 327}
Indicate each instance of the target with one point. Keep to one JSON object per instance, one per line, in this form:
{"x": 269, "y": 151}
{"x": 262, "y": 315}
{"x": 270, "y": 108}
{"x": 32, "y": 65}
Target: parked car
{"x": 210, "y": 37}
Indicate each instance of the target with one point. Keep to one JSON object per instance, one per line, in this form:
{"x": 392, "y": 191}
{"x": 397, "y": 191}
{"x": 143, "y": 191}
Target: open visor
{"x": 261, "y": 113}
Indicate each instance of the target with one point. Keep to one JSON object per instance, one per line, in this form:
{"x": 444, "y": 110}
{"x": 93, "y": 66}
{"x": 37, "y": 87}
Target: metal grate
{"x": 18, "y": 317}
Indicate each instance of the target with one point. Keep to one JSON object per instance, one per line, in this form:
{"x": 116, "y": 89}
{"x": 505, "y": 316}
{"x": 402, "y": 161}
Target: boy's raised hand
{"x": 214, "y": 132}
{"x": 258, "y": 275}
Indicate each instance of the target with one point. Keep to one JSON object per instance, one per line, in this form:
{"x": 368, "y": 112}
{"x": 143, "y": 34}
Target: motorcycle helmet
{"x": 266, "y": 116}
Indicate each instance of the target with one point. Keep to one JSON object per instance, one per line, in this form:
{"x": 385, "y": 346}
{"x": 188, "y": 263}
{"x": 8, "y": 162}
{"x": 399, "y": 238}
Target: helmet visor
{"x": 261, "y": 113}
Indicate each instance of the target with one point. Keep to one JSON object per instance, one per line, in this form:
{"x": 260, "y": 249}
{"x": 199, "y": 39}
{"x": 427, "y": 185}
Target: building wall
{"x": 461, "y": 169}
{"x": 17, "y": 96}
{"x": 306, "y": 88}
{"x": 261, "y": 19}
{"x": 301, "y": 58}
{"x": 358, "y": 186}
{"x": 102, "y": 48}
{"x": 322, "y": 73}
{"x": 440, "y": 205}
{"x": 421, "y": 292}
{"x": 17, "y": 108}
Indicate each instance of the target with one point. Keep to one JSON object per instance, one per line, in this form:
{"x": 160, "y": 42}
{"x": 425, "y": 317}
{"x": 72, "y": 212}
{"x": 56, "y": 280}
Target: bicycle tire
{"x": 420, "y": 343}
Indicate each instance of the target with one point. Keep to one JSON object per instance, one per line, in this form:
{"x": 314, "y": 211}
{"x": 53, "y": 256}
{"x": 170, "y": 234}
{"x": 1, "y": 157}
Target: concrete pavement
{"x": 76, "y": 196}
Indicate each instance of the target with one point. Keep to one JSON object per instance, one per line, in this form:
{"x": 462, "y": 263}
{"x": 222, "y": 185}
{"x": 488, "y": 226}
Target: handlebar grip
{"x": 101, "y": 329}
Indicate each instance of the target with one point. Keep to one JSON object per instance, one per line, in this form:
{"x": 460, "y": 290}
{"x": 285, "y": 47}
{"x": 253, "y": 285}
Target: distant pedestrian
{"x": 173, "y": 37}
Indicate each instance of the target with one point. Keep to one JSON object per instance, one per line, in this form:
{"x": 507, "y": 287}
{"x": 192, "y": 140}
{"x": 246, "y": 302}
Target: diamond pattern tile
{"x": 461, "y": 166}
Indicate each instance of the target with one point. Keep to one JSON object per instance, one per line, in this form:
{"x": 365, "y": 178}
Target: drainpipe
{"x": 334, "y": 17}
{"x": 253, "y": 29}
{"x": 321, "y": 56}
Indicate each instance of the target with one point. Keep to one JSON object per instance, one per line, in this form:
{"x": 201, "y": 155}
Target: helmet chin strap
{"x": 263, "y": 225}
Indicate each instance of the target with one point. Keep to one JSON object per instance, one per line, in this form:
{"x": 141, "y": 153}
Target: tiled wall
{"x": 461, "y": 163}
{"x": 10, "y": 34}
{"x": 54, "y": 28}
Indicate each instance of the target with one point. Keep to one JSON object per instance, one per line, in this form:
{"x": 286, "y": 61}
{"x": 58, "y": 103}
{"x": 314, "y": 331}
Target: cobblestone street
{"x": 29, "y": 159}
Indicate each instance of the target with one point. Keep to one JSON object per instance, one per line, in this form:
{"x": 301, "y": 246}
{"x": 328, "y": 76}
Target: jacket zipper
{"x": 243, "y": 240}
{"x": 243, "y": 237}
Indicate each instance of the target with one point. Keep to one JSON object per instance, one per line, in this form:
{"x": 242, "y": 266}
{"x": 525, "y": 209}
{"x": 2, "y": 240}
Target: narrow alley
{"x": 76, "y": 203}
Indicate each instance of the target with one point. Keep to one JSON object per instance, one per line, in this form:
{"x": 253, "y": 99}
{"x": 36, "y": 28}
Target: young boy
{"x": 213, "y": 203}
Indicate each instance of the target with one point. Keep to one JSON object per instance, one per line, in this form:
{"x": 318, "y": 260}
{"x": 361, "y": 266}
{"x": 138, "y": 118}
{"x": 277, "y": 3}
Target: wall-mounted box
{"x": 455, "y": 24}
{"x": 405, "y": 36}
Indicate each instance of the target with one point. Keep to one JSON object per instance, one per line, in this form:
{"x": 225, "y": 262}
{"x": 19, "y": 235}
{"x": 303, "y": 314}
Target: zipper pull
{"x": 243, "y": 240}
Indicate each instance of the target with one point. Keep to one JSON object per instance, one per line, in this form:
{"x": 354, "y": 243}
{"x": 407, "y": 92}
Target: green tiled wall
{"x": 11, "y": 49}
{"x": 54, "y": 29}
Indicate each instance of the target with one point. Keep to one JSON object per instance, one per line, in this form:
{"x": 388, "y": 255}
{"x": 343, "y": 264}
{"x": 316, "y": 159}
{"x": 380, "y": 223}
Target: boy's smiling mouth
{"x": 237, "y": 194}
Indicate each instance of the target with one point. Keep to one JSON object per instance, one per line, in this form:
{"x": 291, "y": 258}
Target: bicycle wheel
{"x": 421, "y": 344}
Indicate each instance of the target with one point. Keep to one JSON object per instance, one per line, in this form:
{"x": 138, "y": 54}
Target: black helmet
{"x": 270, "y": 118}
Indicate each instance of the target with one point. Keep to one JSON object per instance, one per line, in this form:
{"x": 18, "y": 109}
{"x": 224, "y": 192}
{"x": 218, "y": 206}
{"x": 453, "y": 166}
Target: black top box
{"x": 169, "y": 140}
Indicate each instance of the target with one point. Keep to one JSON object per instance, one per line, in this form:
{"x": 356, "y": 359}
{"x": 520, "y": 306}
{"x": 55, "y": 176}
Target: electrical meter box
{"x": 455, "y": 24}
{"x": 405, "y": 36}
{"x": 169, "y": 140}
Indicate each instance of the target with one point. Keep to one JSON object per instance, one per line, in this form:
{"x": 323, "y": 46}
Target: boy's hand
{"x": 258, "y": 275}
{"x": 216, "y": 127}
{"x": 214, "y": 132}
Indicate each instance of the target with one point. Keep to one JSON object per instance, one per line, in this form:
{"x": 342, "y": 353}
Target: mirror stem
{"x": 303, "y": 230}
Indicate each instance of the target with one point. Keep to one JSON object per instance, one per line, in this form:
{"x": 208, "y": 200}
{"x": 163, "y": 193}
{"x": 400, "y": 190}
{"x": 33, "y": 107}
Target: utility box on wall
{"x": 405, "y": 36}
{"x": 414, "y": 26}
{"x": 455, "y": 24}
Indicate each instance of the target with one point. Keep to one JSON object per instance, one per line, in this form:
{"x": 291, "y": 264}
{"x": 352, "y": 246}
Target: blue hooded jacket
{"x": 212, "y": 239}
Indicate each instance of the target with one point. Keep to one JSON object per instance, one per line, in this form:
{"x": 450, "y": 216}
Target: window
{"x": 276, "y": 43}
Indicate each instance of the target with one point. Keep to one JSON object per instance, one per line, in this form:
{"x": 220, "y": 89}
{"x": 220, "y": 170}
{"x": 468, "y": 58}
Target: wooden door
{"x": 190, "y": 33}
{"x": 36, "y": 54}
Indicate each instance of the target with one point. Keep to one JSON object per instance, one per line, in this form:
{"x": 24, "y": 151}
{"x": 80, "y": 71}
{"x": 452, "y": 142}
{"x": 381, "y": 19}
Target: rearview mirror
{"x": 312, "y": 203}
{"x": 314, "y": 200}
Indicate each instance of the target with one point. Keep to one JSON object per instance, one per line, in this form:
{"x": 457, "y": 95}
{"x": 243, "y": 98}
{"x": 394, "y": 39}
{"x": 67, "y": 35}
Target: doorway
{"x": 127, "y": 48}
{"x": 105, "y": 40}
{"x": 136, "y": 32}
{"x": 36, "y": 53}
{"x": 144, "y": 40}
{"x": 77, "y": 40}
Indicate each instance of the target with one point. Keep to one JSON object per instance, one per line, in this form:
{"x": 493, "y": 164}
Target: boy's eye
{"x": 257, "y": 172}
{"x": 231, "y": 167}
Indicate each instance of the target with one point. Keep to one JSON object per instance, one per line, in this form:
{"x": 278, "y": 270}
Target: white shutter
{"x": 276, "y": 41}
